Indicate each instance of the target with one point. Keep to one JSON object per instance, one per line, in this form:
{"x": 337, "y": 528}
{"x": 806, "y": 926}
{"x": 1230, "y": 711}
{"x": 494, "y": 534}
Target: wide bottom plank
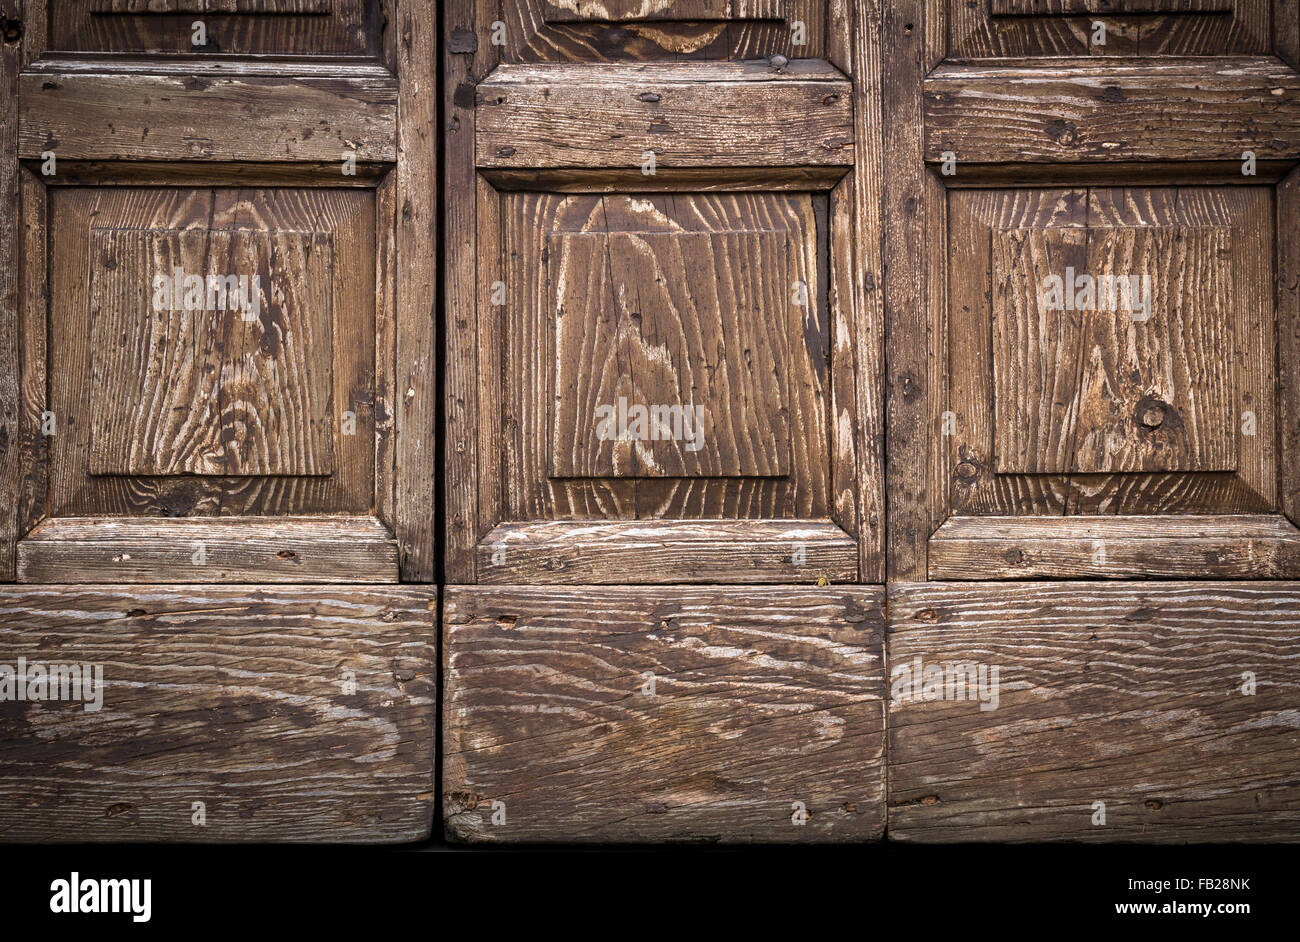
{"x": 228, "y": 713}
{"x": 1155, "y": 712}
{"x": 650, "y": 714}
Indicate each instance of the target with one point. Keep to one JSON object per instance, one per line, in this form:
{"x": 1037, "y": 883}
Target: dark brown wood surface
{"x": 208, "y": 116}
{"x": 1127, "y": 694}
{"x": 764, "y": 700}
{"x": 302, "y": 714}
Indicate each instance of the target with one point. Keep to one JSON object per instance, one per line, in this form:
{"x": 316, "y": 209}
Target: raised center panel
{"x": 212, "y": 352}
{"x": 671, "y": 353}
{"x": 1111, "y": 350}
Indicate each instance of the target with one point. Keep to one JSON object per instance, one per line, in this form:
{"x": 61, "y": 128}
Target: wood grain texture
{"x": 1128, "y": 694}
{"x": 295, "y": 714}
{"x": 1036, "y": 29}
{"x": 1288, "y": 342}
{"x": 263, "y": 7}
{"x": 908, "y": 431}
{"x": 417, "y": 291}
{"x": 1141, "y": 381}
{"x": 206, "y": 117}
{"x": 996, "y": 429}
{"x": 468, "y": 56}
{"x": 530, "y": 396}
{"x": 763, "y": 697}
{"x": 1055, "y": 7}
{"x": 270, "y": 28}
{"x": 639, "y": 552}
{"x": 609, "y": 116}
{"x": 671, "y": 354}
{"x": 539, "y": 35}
{"x": 11, "y": 464}
{"x": 34, "y": 303}
{"x": 251, "y": 549}
{"x": 1181, "y": 546}
{"x": 629, "y": 11}
{"x": 859, "y": 286}
{"x": 241, "y": 388}
{"x": 1211, "y": 109}
{"x": 347, "y": 217}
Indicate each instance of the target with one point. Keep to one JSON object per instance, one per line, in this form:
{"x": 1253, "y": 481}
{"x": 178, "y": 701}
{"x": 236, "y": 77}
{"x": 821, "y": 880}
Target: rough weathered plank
{"x": 293, "y": 714}
{"x": 206, "y": 117}
{"x": 1177, "y": 546}
{"x": 628, "y": 11}
{"x": 634, "y": 552}
{"x": 264, "y": 7}
{"x": 663, "y": 714}
{"x": 1129, "y": 694}
{"x": 610, "y": 116}
{"x": 1207, "y": 109}
{"x": 1288, "y": 342}
{"x": 858, "y": 283}
{"x": 468, "y": 55}
{"x": 250, "y": 549}
{"x": 909, "y": 434}
{"x": 11, "y": 464}
{"x": 417, "y": 291}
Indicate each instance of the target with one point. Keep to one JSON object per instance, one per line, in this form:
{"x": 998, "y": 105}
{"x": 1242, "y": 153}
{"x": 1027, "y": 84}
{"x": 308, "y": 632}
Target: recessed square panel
{"x": 212, "y": 352}
{"x": 267, "y": 27}
{"x": 1112, "y": 350}
{"x": 671, "y": 354}
{"x": 665, "y": 356}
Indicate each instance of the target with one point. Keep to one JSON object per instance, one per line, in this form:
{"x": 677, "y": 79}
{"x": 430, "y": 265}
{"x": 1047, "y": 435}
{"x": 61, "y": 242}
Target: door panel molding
{"x": 564, "y": 145}
{"x": 1025, "y": 150}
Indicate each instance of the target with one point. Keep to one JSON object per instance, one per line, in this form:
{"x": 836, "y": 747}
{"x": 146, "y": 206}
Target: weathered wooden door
{"x": 1093, "y": 345}
{"x": 663, "y": 353}
{"x": 218, "y": 399}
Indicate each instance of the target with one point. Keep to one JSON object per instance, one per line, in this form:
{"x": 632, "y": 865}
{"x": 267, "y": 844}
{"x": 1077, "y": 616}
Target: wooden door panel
{"x": 667, "y": 318}
{"x": 1032, "y": 28}
{"x": 680, "y": 30}
{"x": 241, "y": 27}
{"x": 1016, "y": 709}
{"x": 1027, "y": 384}
{"x": 213, "y": 326}
{"x": 287, "y": 714}
{"x": 643, "y": 724}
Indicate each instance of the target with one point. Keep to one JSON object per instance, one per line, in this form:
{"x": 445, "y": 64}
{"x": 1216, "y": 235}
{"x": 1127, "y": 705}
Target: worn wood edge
{"x": 10, "y": 323}
{"x": 680, "y": 125}
{"x": 416, "y": 381}
{"x": 654, "y": 552}
{"x": 1288, "y": 344}
{"x": 907, "y": 379}
{"x": 68, "y": 112}
{"x": 34, "y": 301}
{"x": 1159, "y": 547}
{"x": 1212, "y": 89}
{"x": 938, "y": 610}
{"x": 177, "y": 614}
{"x": 468, "y": 56}
{"x": 866, "y": 277}
{"x": 459, "y": 602}
{"x": 665, "y": 179}
{"x": 164, "y": 550}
